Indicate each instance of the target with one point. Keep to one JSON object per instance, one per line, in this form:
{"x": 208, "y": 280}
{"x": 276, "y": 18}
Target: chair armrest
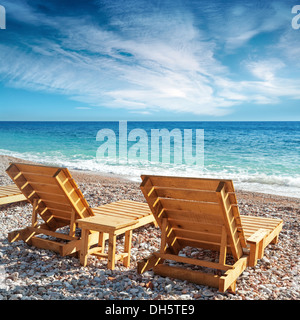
{"x": 256, "y": 241}
{"x": 257, "y": 236}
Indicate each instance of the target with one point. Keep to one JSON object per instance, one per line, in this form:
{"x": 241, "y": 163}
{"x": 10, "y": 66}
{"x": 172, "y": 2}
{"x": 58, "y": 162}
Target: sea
{"x": 257, "y": 156}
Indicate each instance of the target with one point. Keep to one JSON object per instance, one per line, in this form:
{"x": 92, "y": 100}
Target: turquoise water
{"x": 258, "y": 156}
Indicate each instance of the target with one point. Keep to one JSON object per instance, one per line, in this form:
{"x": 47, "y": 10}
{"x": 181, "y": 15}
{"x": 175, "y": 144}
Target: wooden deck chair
{"x": 10, "y": 194}
{"x": 58, "y": 201}
{"x": 203, "y": 213}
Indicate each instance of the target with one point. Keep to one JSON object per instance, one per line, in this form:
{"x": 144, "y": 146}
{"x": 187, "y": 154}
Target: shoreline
{"x": 101, "y": 177}
{"x": 93, "y": 175}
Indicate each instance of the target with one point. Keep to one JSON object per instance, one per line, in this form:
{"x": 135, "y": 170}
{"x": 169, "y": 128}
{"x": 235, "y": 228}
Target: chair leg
{"x": 275, "y": 240}
{"x": 84, "y": 247}
{"x": 101, "y": 241}
{"x": 256, "y": 252}
{"x": 127, "y": 248}
{"x": 253, "y": 255}
{"x": 232, "y": 287}
{"x": 111, "y": 251}
{"x": 261, "y": 249}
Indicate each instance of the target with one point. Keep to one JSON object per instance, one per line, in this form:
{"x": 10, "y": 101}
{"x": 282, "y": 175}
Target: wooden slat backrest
{"x": 196, "y": 210}
{"x": 54, "y": 188}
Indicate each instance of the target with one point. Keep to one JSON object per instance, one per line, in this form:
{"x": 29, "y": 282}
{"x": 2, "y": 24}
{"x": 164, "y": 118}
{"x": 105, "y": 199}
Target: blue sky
{"x": 149, "y": 60}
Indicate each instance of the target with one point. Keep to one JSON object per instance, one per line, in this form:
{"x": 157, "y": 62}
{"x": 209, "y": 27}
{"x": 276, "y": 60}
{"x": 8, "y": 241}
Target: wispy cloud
{"x": 147, "y": 58}
{"x": 265, "y": 69}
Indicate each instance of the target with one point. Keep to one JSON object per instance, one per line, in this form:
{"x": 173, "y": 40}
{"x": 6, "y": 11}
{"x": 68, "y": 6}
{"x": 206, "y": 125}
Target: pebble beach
{"x": 29, "y": 273}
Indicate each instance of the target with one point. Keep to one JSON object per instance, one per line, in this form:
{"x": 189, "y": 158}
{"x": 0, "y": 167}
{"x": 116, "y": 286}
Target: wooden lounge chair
{"x": 203, "y": 213}
{"x": 10, "y": 194}
{"x": 58, "y": 201}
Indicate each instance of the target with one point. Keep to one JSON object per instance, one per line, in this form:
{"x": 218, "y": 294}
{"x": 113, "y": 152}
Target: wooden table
{"x": 111, "y": 226}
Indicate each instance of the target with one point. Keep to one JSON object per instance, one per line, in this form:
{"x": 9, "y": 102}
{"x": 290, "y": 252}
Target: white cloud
{"x": 236, "y": 24}
{"x": 288, "y": 46}
{"x": 146, "y": 63}
{"x": 87, "y": 65}
{"x": 265, "y": 69}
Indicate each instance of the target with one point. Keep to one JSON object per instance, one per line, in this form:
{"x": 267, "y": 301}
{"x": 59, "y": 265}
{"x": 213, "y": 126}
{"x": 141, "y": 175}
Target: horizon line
{"x": 150, "y": 120}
